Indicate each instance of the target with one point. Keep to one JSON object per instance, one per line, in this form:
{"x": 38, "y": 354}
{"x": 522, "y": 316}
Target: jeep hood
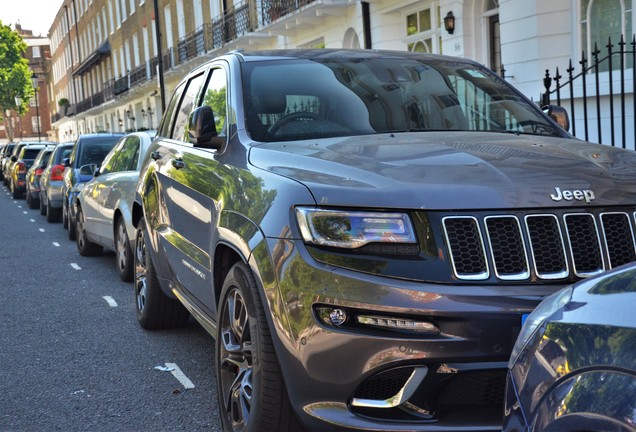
{"x": 454, "y": 170}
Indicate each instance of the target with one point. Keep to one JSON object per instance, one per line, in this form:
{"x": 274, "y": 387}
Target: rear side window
{"x": 30, "y": 154}
{"x": 186, "y": 106}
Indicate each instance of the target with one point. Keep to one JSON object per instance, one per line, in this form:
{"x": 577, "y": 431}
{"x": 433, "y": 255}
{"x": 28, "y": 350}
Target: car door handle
{"x": 155, "y": 155}
{"x": 178, "y": 163}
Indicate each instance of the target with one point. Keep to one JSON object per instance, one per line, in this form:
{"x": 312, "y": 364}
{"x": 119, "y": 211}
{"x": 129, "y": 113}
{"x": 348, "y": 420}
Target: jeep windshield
{"x": 319, "y": 98}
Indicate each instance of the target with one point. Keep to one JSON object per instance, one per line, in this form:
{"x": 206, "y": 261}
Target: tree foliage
{"x": 15, "y": 75}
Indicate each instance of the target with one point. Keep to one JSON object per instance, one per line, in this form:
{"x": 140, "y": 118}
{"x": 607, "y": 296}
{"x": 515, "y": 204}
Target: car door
{"x": 119, "y": 187}
{"x": 187, "y": 214}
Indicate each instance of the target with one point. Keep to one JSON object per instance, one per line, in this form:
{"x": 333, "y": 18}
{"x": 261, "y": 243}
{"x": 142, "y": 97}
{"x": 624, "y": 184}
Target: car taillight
{"x": 38, "y": 171}
{"x": 57, "y": 173}
{"x": 21, "y": 168}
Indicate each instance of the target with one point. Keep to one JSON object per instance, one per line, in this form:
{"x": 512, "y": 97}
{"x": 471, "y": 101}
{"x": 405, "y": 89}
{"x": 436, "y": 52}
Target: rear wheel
{"x": 52, "y": 214}
{"x": 122, "y": 251}
{"x": 71, "y": 224}
{"x": 42, "y": 206}
{"x": 14, "y": 192}
{"x": 251, "y": 391}
{"x": 154, "y": 309}
{"x": 85, "y": 247}
{"x": 64, "y": 214}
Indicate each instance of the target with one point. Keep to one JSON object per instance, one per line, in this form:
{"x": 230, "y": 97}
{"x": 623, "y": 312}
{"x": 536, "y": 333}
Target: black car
{"x": 33, "y": 176}
{"x": 362, "y": 232}
{"x": 574, "y": 365}
{"x": 88, "y": 153}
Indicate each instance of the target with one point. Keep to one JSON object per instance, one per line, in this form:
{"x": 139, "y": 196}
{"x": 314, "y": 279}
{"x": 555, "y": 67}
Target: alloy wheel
{"x": 235, "y": 360}
{"x": 121, "y": 246}
{"x": 140, "y": 272}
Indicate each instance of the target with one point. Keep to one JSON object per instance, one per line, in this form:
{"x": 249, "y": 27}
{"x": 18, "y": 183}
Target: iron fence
{"x": 600, "y": 86}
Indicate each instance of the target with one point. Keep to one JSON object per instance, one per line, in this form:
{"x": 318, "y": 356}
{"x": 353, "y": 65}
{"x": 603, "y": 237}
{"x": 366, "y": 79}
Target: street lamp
{"x": 150, "y": 114}
{"x": 34, "y": 81}
{"x": 18, "y": 104}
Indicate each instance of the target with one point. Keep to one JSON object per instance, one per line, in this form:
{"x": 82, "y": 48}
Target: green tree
{"x": 15, "y": 76}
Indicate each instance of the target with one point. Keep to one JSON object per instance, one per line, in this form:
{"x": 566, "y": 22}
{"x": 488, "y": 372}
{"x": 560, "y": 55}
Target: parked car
{"x": 8, "y": 163}
{"x": 104, "y": 206}
{"x": 33, "y": 176}
{"x": 573, "y": 367}
{"x": 362, "y": 232}
{"x": 21, "y": 160}
{"x": 5, "y": 154}
{"x": 88, "y": 151}
{"x": 51, "y": 183}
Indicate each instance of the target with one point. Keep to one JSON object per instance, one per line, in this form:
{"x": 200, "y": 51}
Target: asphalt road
{"x": 72, "y": 356}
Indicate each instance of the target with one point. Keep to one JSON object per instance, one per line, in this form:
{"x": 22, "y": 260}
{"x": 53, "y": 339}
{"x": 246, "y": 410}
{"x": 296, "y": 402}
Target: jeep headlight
{"x": 353, "y": 229}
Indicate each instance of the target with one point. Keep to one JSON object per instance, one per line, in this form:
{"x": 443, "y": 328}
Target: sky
{"x": 35, "y": 15}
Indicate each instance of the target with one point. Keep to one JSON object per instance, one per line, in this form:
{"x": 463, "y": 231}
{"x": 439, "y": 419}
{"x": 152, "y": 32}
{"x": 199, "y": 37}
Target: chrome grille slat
{"x": 551, "y": 246}
{"x": 585, "y": 244}
{"x": 619, "y": 238}
{"x": 467, "y": 252}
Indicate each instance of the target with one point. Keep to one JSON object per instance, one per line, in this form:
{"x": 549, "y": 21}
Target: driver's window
{"x": 215, "y": 96}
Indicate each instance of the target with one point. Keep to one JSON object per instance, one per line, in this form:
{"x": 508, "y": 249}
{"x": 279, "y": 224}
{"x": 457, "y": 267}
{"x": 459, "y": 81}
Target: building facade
{"x": 104, "y": 68}
{"x": 36, "y": 122}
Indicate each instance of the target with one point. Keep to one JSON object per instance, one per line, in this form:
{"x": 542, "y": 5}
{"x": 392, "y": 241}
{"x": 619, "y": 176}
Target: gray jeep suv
{"x": 363, "y": 233}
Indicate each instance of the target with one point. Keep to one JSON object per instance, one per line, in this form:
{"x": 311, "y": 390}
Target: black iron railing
{"x": 607, "y": 70}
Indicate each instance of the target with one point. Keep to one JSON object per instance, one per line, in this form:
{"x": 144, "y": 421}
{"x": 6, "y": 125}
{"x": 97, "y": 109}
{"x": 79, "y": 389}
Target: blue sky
{"x": 36, "y": 15}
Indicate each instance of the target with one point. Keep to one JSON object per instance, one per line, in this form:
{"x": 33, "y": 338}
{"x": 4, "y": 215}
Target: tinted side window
{"x": 215, "y": 97}
{"x": 187, "y": 104}
{"x": 166, "y": 123}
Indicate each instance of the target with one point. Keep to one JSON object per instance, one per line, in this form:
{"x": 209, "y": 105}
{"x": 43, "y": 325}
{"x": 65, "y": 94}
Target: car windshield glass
{"x": 94, "y": 151}
{"x": 30, "y": 154}
{"x": 302, "y": 99}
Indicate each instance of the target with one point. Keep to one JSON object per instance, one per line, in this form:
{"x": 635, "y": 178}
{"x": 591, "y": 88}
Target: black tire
{"x": 64, "y": 214}
{"x": 123, "y": 253}
{"x": 42, "y": 206}
{"x": 154, "y": 309}
{"x": 14, "y": 193}
{"x": 85, "y": 247}
{"x": 251, "y": 392}
{"x": 33, "y": 202}
{"x": 52, "y": 214}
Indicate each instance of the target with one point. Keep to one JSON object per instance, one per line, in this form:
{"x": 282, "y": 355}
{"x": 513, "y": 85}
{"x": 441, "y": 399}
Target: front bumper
{"x": 359, "y": 376}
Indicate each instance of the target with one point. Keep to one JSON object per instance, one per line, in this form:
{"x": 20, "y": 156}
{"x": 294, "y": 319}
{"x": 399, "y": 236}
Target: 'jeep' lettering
{"x": 569, "y": 195}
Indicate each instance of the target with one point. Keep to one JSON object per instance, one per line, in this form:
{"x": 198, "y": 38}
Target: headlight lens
{"x": 353, "y": 229}
{"x": 548, "y": 307}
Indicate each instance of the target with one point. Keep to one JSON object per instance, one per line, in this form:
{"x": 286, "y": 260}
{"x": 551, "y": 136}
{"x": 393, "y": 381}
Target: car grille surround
{"x": 546, "y": 246}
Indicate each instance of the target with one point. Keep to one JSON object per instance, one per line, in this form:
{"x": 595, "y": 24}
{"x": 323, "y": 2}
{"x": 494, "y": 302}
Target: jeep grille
{"x": 553, "y": 245}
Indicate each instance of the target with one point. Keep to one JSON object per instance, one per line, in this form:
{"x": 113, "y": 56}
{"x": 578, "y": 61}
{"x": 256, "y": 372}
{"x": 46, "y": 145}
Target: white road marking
{"x": 180, "y": 376}
{"x": 32, "y": 220}
{"x": 41, "y": 229}
{"x": 111, "y": 301}
{"x": 75, "y": 266}
{"x": 56, "y": 244}
{"x": 25, "y": 212}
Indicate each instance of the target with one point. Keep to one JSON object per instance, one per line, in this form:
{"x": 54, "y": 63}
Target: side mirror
{"x": 88, "y": 169}
{"x": 66, "y": 162}
{"x": 202, "y": 128}
{"x": 558, "y": 114}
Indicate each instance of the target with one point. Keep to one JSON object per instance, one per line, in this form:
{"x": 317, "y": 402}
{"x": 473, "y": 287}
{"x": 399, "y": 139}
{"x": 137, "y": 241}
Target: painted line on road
{"x": 111, "y": 301}
{"x": 25, "y": 212}
{"x": 76, "y": 266}
{"x": 56, "y": 244}
{"x": 32, "y": 220}
{"x": 180, "y": 376}
{"x": 41, "y": 229}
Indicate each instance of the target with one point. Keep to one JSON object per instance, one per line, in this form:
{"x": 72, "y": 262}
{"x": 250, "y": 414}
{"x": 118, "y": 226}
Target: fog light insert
{"x": 332, "y": 316}
{"x": 397, "y": 324}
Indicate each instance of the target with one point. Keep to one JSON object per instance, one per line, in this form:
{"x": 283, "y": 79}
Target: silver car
{"x": 51, "y": 183}
{"x": 104, "y": 205}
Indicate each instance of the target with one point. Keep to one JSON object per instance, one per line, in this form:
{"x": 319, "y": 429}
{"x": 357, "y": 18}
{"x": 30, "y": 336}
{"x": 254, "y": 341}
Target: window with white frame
{"x": 36, "y": 52}
{"x": 36, "y": 123}
{"x": 423, "y": 29}
{"x": 602, "y": 21}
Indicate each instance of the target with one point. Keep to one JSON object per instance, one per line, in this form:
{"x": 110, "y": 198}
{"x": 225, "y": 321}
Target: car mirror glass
{"x": 202, "y": 128}
{"x": 88, "y": 169}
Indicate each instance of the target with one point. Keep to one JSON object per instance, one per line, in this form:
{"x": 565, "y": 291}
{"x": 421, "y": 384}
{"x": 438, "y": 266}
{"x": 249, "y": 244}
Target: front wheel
{"x": 122, "y": 251}
{"x": 154, "y": 309}
{"x": 251, "y": 392}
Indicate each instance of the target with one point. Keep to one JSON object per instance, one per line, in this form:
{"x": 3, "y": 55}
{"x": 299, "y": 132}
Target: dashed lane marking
{"x": 41, "y": 229}
{"x": 180, "y": 376}
{"x": 111, "y": 301}
{"x": 56, "y": 244}
{"x": 76, "y": 266}
{"x": 32, "y": 220}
